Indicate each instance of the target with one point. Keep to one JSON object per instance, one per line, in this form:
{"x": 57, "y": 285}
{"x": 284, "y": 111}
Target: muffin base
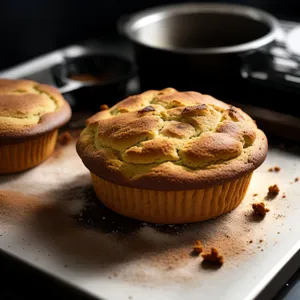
{"x": 171, "y": 207}
{"x": 25, "y": 155}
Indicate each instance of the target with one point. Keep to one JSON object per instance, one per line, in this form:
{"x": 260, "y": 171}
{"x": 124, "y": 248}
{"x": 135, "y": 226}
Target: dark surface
{"x": 31, "y": 28}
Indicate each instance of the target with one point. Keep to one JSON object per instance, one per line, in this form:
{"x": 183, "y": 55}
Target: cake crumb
{"x": 251, "y": 241}
{"x": 296, "y": 179}
{"x": 197, "y": 249}
{"x": 260, "y": 209}
{"x": 273, "y": 190}
{"x": 64, "y": 138}
{"x": 255, "y": 194}
{"x": 270, "y": 170}
{"x": 261, "y": 241}
{"x": 277, "y": 169}
{"x": 283, "y": 196}
{"x": 213, "y": 257}
{"x": 104, "y": 107}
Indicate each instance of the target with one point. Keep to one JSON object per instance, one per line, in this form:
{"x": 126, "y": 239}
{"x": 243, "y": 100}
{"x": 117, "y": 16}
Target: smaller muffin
{"x": 30, "y": 115}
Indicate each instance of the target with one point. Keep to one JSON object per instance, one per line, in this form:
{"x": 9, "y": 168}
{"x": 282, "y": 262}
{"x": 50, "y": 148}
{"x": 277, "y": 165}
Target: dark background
{"x": 33, "y": 27}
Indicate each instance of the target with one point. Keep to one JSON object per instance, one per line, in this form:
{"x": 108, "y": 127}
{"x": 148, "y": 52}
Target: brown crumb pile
{"x": 259, "y": 209}
{"x": 273, "y": 190}
{"x": 296, "y": 179}
{"x": 213, "y": 257}
{"x": 275, "y": 169}
{"x": 64, "y": 138}
{"x": 104, "y": 107}
{"x": 197, "y": 249}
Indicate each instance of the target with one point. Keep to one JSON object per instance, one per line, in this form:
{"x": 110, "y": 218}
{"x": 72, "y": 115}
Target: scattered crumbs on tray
{"x": 274, "y": 169}
{"x": 277, "y": 169}
{"x": 279, "y": 216}
{"x": 212, "y": 257}
{"x": 273, "y": 191}
{"x": 197, "y": 249}
{"x": 259, "y": 209}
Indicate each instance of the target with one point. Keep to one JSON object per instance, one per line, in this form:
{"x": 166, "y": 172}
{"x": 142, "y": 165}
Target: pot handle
{"x": 273, "y": 64}
{"x": 71, "y": 86}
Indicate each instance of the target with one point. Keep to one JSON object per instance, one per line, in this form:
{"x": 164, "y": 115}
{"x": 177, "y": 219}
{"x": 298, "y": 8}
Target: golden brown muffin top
{"x": 170, "y": 140}
{"x": 28, "y": 108}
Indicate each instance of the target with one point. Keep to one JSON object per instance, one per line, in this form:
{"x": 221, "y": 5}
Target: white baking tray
{"x": 111, "y": 257}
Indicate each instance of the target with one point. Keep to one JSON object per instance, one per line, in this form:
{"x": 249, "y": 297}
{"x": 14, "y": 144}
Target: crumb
{"x": 296, "y": 179}
{"x": 262, "y": 250}
{"x": 278, "y": 232}
{"x": 283, "y": 196}
{"x": 228, "y": 236}
{"x": 64, "y": 138}
{"x": 261, "y": 241}
{"x": 276, "y": 169}
{"x": 273, "y": 190}
{"x": 259, "y": 209}
{"x": 254, "y": 195}
{"x": 197, "y": 249}
{"x": 250, "y": 242}
{"x": 213, "y": 256}
{"x": 270, "y": 170}
{"x": 104, "y": 107}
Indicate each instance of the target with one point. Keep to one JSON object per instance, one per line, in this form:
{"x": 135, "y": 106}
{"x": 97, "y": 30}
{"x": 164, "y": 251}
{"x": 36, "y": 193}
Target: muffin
{"x": 30, "y": 115}
{"x": 171, "y": 157}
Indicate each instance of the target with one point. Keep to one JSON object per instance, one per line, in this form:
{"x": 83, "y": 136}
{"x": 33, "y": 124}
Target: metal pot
{"x": 197, "y": 46}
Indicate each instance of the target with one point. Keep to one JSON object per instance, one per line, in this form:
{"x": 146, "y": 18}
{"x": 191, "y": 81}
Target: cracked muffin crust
{"x": 28, "y": 109}
{"x": 30, "y": 114}
{"x": 171, "y": 141}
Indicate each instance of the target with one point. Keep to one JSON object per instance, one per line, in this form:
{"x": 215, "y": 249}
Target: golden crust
{"x": 28, "y": 109}
{"x": 170, "y": 140}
